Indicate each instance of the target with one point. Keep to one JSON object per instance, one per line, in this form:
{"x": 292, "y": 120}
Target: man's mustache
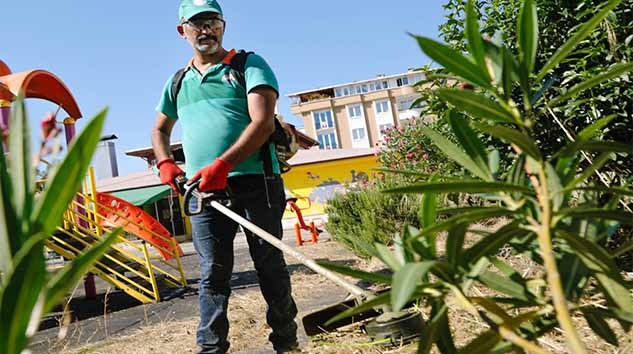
{"x": 207, "y": 36}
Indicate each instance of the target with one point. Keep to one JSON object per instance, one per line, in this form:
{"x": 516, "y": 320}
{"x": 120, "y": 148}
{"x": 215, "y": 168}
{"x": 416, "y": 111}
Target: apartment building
{"x": 354, "y": 115}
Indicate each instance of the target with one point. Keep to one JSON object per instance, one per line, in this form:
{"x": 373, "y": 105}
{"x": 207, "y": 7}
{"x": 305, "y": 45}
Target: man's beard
{"x": 210, "y": 47}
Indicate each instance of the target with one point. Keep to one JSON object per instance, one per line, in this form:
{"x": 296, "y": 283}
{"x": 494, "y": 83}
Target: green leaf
{"x": 372, "y": 303}
{"x": 473, "y": 187}
{"x": 509, "y": 75}
{"x": 617, "y": 294}
{"x": 493, "y": 162}
{"x": 585, "y": 30}
{"x": 601, "y": 327}
{"x": 527, "y": 33}
{"x": 615, "y": 71}
{"x": 520, "y": 139}
{"x": 430, "y": 332}
{"x": 584, "y": 136}
{"x": 471, "y": 143}
{"x": 455, "y": 243}
{"x": 8, "y": 227}
{"x": 19, "y": 300}
{"x": 359, "y": 274}
{"x": 475, "y": 42}
{"x": 405, "y": 281}
{"x": 606, "y": 146}
{"x": 590, "y": 170}
{"x": 65, "y": 279}
{"x": 575, "y": 276}
{"x": 476, "y": 104}
{"x": 491, "y": 244}
{"x": 483, "y": 344}
{"x": 554, "y": 187}
{"x": 469, "y": 215}
{"x": 453, "y": 61}
{"x": 21, "y": 170}
{"x": 604, "y": 269}
{"x": 625, "y": 316}
{"x": 596, "y": 213}
{"x": 68, "y": 176}
{"x": 504, "y": 285}
{"x": 387, "y": 257}
{"x": 590, "y": 131}
{"x": 453, "y": 152}
{"x": 428, "y": 209}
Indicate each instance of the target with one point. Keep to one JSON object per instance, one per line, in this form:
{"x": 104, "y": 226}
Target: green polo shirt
{"x": 213, "y": 111}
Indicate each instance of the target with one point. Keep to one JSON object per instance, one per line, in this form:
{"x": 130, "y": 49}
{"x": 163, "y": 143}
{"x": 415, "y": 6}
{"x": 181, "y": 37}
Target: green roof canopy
{"x": 142, "y": 196}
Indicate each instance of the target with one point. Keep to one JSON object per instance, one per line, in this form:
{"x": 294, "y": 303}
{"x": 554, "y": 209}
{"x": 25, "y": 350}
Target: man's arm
{"x": 161, "y": 134}
{"x": 261, "y": 108}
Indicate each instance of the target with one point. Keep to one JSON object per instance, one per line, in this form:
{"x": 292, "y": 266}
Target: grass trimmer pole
{"x": 351, "y": 288}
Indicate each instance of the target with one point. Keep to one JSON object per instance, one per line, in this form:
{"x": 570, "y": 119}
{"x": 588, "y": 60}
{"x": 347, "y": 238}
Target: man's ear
{"x": 181, "y": 30}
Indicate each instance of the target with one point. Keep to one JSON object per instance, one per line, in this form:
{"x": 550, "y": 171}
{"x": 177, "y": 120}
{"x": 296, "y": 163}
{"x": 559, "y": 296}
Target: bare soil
{"x": 248, "y": 331}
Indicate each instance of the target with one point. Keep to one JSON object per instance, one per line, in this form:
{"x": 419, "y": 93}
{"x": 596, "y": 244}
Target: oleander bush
{"x": 556, "y": 210}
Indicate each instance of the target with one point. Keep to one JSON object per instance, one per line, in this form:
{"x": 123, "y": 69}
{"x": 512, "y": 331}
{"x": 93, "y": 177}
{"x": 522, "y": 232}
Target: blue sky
{"x": 118, "y": 54}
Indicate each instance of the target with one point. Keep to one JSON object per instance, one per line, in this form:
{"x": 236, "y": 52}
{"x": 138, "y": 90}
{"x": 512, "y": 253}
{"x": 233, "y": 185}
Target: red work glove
{"x": 212, "y": 177}
{"x": 168, "y": 172}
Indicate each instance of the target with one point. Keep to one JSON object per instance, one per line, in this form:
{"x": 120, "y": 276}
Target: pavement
{"x": 115, "y": 313}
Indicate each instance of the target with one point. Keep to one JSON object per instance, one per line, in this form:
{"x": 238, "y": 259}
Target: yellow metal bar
{"x": 93, "y": 192}
{"x": 183, "y": 279}
{"x": 150, "y": 269}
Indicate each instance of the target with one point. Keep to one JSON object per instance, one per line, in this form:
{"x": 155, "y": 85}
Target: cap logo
{"x": 199, "y": 2}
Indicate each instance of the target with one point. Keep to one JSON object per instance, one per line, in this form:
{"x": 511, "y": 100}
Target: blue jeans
{"x": 213, "y": 235}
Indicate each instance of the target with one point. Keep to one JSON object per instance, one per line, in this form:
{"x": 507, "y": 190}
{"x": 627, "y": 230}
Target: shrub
{"x": 367, "y": 216}
{"x": 27, "y": 290}
{"x": 556, "y": 214}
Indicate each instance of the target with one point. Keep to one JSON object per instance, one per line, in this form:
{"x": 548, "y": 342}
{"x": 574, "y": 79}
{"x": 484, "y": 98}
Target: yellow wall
{"x": 315, "y": 183}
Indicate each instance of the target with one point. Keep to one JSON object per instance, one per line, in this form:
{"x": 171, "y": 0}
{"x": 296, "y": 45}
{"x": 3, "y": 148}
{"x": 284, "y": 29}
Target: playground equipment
{"x": 300, "y": 224}
{"x": 129, "y": 265}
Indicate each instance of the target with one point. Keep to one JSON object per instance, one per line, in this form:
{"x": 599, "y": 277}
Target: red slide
{"x": 133, "y": 215}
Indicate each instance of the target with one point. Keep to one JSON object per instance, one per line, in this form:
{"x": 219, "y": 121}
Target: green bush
{"x": 556, "y": 214}
{"x": 27, "y": 218}
{"x": 367, "y": 216}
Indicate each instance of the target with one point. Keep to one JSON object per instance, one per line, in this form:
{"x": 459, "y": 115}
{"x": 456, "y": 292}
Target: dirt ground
{"x": 175, "y": 334}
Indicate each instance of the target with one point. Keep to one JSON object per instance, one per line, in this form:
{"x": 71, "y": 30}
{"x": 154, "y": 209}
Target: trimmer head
{"x": 398, "y": 327}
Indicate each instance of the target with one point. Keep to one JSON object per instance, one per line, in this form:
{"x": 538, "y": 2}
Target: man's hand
{"x": 212, "y": 177}
{"x": 168, "y": 172}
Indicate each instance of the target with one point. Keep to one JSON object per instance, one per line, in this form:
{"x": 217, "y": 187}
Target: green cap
{"x": 190, "y": 8}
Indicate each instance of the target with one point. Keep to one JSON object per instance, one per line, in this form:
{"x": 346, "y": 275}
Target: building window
{"x": 382, "y": 106}
{"x": 358, "y": 134}
{"x": 327, "y": 141}
{"x": 323, "y": 120}
{"x": 354, "y": 111}
{"x": 338, "y": 92}
{"x": 402, "y": 81}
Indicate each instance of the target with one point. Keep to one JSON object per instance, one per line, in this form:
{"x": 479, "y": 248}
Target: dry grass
{"x": 248, "y": 331}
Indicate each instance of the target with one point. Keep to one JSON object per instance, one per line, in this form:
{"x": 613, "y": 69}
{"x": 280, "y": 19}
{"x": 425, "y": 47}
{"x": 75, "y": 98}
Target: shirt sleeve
{"x": 166, "y": 105}
{"x": 257, "y": 72}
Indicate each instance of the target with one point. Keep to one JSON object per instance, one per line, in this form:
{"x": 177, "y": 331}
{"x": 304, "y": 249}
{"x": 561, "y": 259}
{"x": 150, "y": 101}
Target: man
{"x": 224, "y": 124}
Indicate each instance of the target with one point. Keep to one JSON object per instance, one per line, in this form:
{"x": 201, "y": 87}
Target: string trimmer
{"x": 394, "y": 327}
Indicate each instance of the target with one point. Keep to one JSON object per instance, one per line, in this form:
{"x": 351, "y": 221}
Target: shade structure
{"x": 44, "y": 85}
{"x": 143, "y": 196}
{"x": 5, "y": 93}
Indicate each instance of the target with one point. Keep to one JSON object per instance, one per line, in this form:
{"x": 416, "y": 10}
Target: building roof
{"x": 314, "y": 155}
{"x": 377, "y": 78}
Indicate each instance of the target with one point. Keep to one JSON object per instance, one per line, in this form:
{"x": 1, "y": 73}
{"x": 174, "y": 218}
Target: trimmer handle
{"x": 202, "y": 198}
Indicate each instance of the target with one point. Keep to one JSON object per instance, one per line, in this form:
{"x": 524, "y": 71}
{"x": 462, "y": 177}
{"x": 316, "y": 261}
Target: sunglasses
{"x": 208, "y": 24}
